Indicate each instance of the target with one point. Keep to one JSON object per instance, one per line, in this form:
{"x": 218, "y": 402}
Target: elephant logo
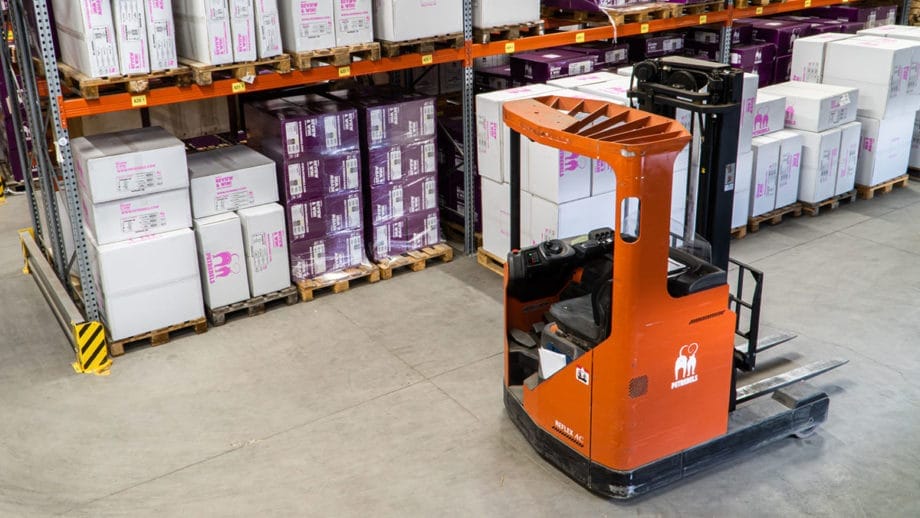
{"x": 685, "y": 366}
{"x": 222, "y": 265}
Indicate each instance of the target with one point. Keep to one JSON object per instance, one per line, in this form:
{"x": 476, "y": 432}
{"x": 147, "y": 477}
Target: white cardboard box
{"x": 741, "y": 208}
{"x": 603, "y": 179}
{"x": 87, "y": 37}
{"x": 203, "y": 31}
{"x": 849, "y": 157}
{"x": 492, "y": 135}
{"x": 766, "y": 169}
{"x": 243, "y": 30}
{"x": 268, "y": 28}
{"x": 625, "y": 71}
{"x": 131, "y": 34}
{"x": 140, "y": 216}
{"x": 161, "y": 34}
{"x": 354, "y": 22}
{"x": 555, "y": 175}
{"x": 748, "y": 102}
{"x": 307, "y": 25}
{"x": 148, "y": 283}
{"x": 265, "y": 242}
{"x": 614, "y": 90}
{"x": 808, "y": 56}
{"x": 575, "y": 82}
{"x": 496, "y": 218}
{"x": 230, "y": 179}
{"x": 575, "y": 218}
{"x": 820, "y": 155}
{"x": 885, "y": 148}
{"x": 880, "y": 68}
{"x": 790, "y": 167}
{"x": 114, "y": 166}
{"x": 816, "y": 107}
{"x": 402, "y": 20}
{"x": 769, "y": 113}
{"x": 495, "y": 13}
{"x": 222, "y": 259}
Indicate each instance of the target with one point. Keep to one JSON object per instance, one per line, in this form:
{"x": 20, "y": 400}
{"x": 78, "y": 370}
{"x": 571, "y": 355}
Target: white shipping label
{"x": 581, "y": 67}
{"x": 396, "y": 203}
{"x": 298, "y": 221}
{"x": 292, "y": 136}
{"x": 430, "y": 163}
{"x": 233, "y": 200}
{"x": 331, "y": 127}
{"x": 431, "y": 229}
{"x": 136, "y": 179}
{"x": 241, "y": 8}
{"x": 295, "y": 180}
{"x": 378, "y": 131}
{"x": 428, "y": 122}
{"x": 352, "y": 179}
{"x": 353, "y": 212}
{"x": 381, "y": 240}
{"x": 311, "y": 29}
{"x": 431, "y": 197}
{"x": 318, "y": 254}
{"x": 394, "y": 157}
{"x": 217, "y": 10}
{"x": 355, "y": 244}
{"x": 259, "y": 252}
{"x": 142, "y": 222}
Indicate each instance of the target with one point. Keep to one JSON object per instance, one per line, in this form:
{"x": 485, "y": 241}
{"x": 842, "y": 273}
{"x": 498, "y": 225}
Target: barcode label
{"x": 354, "y": 249}
{"x": 428, "y": 119}
{"x": 429, "y": 161}
{"x": 582, "y": 67}
{"x": 315, "y": 29}
{"x": 431, "y": 228}
{"x": 319, "y": 258}
{"x": 353, "y": 212}
{"x": 825, "y": 164}
{"x": 381, "y": 240}
{"x": 218, "y": 9}
{"x": 160, "y": 34}
{"x": 396, "y": 202}
{"x": 431, "y": 197}
{"x": 377, "y": 129}
{"x": 295, "y": 180}
{"x": 351, "y": 173}
{"x": 242, "y": 8}
{"x": 395, "y": 164}
{"x": 331, "y": 126}
{"x": 292, "y": 136}
{"x": 298, "y": 221}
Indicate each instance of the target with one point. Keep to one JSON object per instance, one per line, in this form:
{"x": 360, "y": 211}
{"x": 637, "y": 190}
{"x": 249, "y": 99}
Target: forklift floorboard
{"x": 386, "y": 400}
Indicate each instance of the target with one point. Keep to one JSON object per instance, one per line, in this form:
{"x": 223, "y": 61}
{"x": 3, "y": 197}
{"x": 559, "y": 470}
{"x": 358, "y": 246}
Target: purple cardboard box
{"x": 852, "y": 27}
{"x": 391, "y": 116}
{"x": 423, "y": 229}
{"x": 317, "y": 218}
{"x": 886, "y": 15}
{"x": 420, "y": 194}
{"x": 741, "y": 35}
{"x": 750, "y": 57}
{"x": 402, "y": 235}
{"x": 494, "y": 78}
{"x": 655, "y": 46}
{"x": 607, "y": 54}
{"x": 782, "y": 68}
{"x": 313, "y": 176}
{"x": 315, "y": 257}
{"x": 388, "y": 164}
{"x": 705, "y": 51}
{"x": 302, "y": 125}
{"x": 781, "y": 33}
{"x": 542, "y": 66}
{"x": 867, "y": 15}
{"x": 764, "y": 72}
{"x": 584, "y": 5}
{"x": 386, "y": 203}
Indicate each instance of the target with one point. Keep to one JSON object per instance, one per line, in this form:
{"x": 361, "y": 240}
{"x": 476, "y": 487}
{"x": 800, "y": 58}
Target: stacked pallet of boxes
{"x": 881, "y": 69}
{"x": 399, "y": 166}
{"x": 307, "y": 26}
{"x": 315, "y": 145}
{"x": 769, "y": 115}
{"x": 110, "y": 38}
{"x": 745, "y": 163}
{"x": 134, "y": 192}
{"x": 239, "y": 226}
{"x": 216, "y": 32}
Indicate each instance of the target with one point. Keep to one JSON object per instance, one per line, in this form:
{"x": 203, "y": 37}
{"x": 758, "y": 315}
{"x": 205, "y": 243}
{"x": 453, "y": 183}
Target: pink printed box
{"x": 222, "y": 259}
{"x": 131, "y": 35}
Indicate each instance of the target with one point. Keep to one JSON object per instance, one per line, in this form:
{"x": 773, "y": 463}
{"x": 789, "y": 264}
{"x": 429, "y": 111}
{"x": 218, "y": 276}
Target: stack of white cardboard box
{"x": 217, "y": 32}
{"x": 240, "y": 228}
{"x": 769, "y": 112}
{"x": 106, "y": 38}
{"x": 744, "y": 166}
{"x": 884, "y": 71}
{"x": 134, "y": 195}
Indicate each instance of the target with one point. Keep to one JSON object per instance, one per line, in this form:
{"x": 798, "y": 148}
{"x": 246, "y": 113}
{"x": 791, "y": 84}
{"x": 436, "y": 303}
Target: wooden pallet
{"x": 867, "y": 193}
{"x": 763, "y": 2}
{"x": 490, "y": 261}
{"x": 254, "y": 306}
{"x": 640, "y": 13}
{"x": 158, "y": 337}
{"x": 507, "y": 32}
{"x": 774, "y": 217}
{"x": 416, "y": 260}
{"x": 337, "y": 282}
{"x": 336, "y": 56}
{"x": 740, "y": 232}
{"x": 422, "y": 45}
{"x": 456, "y": 233}
{"x": 90, "y": 87}
{"x": 203, "y": 74}
{"x": 813, "y": 209}
{"x": 698, "y": 8}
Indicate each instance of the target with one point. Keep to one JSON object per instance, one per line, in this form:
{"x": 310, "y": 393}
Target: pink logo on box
{"x": 278, "y": 239}
{"x": 795, "y": 160}
{"x": 790, "y": 115}
{"x": 223, "y": 182}
{"x": 222, "y": 264}
{"x": 348, "y": 4}
{"x": 868, "y": 143}
{"x": 568, "y": 162}
{"x": 762, "y": 121}
{"x": 95, "y": 7}
{"x": 749, "y": 106}
{"x": 157, "y": 4}
{"x": 308, "y": 8}
{"x": 121, "y": 166}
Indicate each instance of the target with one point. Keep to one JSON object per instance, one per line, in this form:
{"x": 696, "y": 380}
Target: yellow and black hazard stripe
{"x": 92, "y": 350}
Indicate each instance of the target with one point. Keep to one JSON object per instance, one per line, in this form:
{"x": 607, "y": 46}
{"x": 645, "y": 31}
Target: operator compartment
{"x": 567, "y": 286}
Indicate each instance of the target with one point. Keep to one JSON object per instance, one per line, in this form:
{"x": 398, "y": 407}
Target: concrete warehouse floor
{"x": 386, "y": 400}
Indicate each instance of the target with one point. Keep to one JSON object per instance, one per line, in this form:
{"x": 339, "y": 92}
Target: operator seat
{"x": 586, "y": 317}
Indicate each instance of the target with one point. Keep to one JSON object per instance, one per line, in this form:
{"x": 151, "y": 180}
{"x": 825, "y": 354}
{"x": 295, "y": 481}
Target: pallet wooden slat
{"x": 867, "y": 192}
{"x": 507, "y": 32}
{"x": 90, "y": 87}
{"x": 337, "y": 282}
{"x": 254, "y": 306}
{"x": 774, "y": 217}
{"x": 422, "y": 45}
{"x": 813, "y": 209}
{"x": 416, "y": 260}
{"x": 739, "y": 232}
{"x": 203, "y": 73}
{"x": 490, "y": 261}
{"x": 335, "y": 56}
{"x": 158, "y": 336}
{"x": 698, "y": 8}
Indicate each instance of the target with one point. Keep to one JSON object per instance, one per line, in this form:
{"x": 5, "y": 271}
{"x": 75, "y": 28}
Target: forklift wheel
{"x": 806, "y": 432}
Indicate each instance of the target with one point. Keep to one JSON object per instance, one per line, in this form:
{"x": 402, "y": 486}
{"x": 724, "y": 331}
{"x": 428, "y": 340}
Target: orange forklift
{"x": 620, "y": 346}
